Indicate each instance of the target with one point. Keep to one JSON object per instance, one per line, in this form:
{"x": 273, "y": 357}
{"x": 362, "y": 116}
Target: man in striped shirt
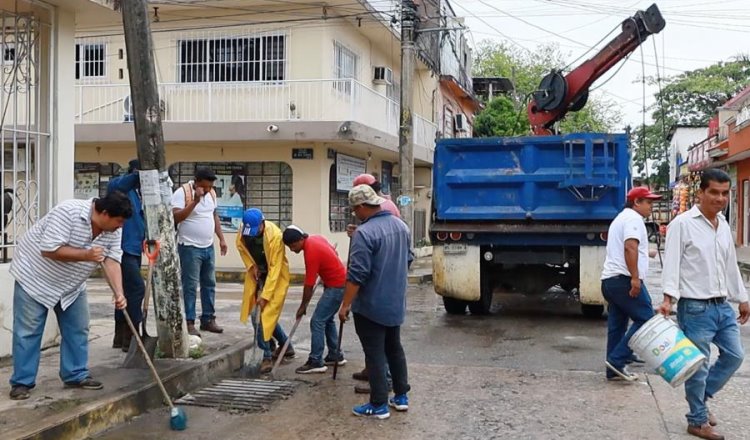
{"x": 51, "y": 264}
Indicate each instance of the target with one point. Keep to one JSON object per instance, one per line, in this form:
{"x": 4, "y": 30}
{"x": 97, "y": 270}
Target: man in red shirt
{"x": 320, "y": 260}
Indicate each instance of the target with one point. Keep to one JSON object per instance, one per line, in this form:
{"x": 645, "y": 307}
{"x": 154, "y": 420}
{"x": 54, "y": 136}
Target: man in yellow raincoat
{"x": 266, "y": 281}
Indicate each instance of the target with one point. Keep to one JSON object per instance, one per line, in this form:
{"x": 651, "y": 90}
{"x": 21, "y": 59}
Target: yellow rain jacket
{"x": 277, "y": 281}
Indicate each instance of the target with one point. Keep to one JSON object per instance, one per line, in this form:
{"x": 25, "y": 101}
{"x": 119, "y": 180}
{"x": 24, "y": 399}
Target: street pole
{"x": 155, "y": 188}
{"x": 405, "y": 137}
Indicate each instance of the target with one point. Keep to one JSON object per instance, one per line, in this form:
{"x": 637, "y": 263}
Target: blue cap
{"x": 251, "y": 221}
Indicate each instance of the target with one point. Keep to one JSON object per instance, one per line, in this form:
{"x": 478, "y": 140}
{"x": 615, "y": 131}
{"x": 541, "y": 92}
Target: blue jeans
{"x": 29, "y": 318}
{"x": 197, "y": 264}
{"x": 278, "y": 334}
{"x": 621, "y": 308}
{"x": 323, "y": 328}
{"x": 704, "y": 323}
{"x": 134, "y": 287}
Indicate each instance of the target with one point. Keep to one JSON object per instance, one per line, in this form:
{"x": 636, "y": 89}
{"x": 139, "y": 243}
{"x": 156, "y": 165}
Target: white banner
{"x": 347, "y": 168}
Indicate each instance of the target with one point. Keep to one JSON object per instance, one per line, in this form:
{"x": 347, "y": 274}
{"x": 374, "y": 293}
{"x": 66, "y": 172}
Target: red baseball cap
{"x": 364, "y": 179}
{"x": 641, "y": 192}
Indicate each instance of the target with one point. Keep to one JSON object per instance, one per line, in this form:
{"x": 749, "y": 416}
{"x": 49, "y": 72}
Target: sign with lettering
{"x": 302, "y": 153}
{"x": 347, "y": 168}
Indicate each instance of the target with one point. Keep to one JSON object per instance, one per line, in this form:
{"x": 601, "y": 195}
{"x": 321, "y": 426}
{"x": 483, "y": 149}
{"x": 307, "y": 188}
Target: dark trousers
{"x": 134, "y": 287}
{"x": 382, "y": 347}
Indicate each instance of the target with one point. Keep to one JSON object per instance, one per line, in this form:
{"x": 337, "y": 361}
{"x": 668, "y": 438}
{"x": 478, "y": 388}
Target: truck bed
{"x": 578, "y": 177}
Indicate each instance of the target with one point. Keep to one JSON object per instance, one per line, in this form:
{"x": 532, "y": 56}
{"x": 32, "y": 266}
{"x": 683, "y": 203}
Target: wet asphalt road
{"x": 533, "y": 368}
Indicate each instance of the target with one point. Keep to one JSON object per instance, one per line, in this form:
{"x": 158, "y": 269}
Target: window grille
{"x": 232, "y": 59}
{"x": 263, "y": 185}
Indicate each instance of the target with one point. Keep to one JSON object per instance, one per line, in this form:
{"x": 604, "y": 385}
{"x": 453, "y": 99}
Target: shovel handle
{"x": 152, "y": 255}
{"x": 341, "y": 334}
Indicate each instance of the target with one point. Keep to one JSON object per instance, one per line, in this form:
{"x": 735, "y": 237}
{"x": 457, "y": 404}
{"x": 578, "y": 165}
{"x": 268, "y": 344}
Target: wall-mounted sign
{"x": 742, "y": 116}
{"x": 347, "y": 168}
{"x": 302, "y": 153}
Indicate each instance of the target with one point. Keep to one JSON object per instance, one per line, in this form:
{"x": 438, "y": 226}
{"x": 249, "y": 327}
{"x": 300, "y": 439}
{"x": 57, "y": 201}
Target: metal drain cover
{"x": 240, "y": 394}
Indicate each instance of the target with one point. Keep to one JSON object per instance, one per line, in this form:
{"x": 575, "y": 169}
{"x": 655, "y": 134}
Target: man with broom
{"x": 51, "y": 264}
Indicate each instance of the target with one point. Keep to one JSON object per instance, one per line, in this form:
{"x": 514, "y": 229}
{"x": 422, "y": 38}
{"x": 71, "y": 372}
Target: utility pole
{"x": 155, "y": 187}
{"x": 405, "y": 137}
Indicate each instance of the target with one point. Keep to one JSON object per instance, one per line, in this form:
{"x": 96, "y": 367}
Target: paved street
{"x": 532, "y": 369}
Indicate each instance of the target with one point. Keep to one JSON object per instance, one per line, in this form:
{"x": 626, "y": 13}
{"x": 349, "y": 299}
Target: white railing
{"x": 424, "y": 132}
{"x": 305, "y": 100}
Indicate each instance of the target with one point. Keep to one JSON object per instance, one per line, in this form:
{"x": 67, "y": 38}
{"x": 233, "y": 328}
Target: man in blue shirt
{"x": 376, "y": 293}
{"x": 133, "y": 234}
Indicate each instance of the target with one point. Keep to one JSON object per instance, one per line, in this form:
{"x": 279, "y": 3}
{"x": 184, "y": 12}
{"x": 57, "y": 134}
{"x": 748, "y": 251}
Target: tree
{"x": 526, "y": 70}
{"x": 688, "y": 98}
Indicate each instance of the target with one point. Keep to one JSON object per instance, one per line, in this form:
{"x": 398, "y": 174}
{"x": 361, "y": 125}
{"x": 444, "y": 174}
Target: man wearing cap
{"x": 321, "y": 260}
{"x": 701, "y": 275}
{"x": 625, "y": 268}
{"x": 388, "y": 205}
{"x": 194, "y": 208}
{"x": 266, "y": 281}
{"x": 133, "y": 234}
{"x": 376, "y": 293}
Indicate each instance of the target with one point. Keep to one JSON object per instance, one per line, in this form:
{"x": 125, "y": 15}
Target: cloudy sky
{"x": 698, "y": 33}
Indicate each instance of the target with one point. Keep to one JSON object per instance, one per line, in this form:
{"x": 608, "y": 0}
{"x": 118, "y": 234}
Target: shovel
{"x": 134, "y": 358}
{"x": 251, "y": 360}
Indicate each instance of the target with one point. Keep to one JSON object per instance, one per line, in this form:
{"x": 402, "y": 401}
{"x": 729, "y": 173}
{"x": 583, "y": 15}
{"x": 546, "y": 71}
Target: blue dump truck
{"x": 524, "y": 213}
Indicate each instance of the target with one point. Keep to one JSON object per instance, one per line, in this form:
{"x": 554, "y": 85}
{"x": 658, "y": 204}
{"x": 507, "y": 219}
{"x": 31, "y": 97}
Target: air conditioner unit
{"x": 127, "y": 105}
{"x": 461, "y": 124}
{"x": 382, "y": 75}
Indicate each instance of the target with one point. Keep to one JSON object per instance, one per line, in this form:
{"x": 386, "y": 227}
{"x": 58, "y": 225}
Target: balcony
{"x": 266, "y": 102}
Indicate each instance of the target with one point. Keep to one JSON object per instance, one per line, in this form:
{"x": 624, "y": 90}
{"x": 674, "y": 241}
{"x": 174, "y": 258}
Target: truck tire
{"x": 483, "y": 306}
{"x": 592, "y": 311}
{"x": 454, "y": 306}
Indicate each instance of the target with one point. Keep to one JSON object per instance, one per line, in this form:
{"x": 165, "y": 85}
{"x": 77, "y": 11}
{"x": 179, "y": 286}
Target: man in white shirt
{"x": 625, "y": 268}
{"x": 700, "y": 275}
{"x": 194, "y": 208}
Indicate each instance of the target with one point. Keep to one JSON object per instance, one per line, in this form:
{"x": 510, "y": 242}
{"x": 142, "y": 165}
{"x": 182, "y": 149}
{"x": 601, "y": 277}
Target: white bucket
{"x": 667, "y": 350}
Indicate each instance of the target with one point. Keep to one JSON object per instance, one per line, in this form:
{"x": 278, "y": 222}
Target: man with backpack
{"x": 194, "y": 208}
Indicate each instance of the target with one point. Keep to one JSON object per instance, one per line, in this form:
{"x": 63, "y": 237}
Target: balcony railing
{"x": 303, "y": 100}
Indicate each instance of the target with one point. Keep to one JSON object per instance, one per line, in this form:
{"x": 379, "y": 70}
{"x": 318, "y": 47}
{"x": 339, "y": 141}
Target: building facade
{"x": 286, "y": 102}
{"x": 37, "y": 133}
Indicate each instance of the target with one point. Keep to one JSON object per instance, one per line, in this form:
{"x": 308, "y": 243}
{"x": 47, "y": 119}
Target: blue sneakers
{"x": 400, "y": 402}
{"x": 370, "y": 410}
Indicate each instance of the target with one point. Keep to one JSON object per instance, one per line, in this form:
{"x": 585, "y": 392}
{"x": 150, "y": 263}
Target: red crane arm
{"x": 558, "y": 94}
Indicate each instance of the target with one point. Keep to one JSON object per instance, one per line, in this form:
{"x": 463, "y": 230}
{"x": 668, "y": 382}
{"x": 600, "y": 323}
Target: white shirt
{"x": 628, "y": 225}
{"x": 50, "y": 281}
{"x": 198, "y": 228}
{"x": 700, "y": 262}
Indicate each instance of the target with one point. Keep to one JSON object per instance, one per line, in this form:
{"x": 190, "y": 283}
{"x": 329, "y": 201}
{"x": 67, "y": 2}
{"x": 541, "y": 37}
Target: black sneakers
{"x": 19, "y": 392}
{"x": 309, "y": 368}
{"x": 85, "y": 384}
{"x": 330, "y": 361}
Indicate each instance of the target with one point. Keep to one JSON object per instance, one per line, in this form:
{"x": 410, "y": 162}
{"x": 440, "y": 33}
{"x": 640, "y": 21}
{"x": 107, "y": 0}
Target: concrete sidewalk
{"x": 54, "y": 412}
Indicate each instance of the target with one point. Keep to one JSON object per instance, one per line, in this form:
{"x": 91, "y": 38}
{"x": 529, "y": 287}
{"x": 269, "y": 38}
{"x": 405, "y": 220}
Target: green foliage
{"x": 690, "y": 98}
{"x": 508, "y": 117}
{"x": 500, "y": 118}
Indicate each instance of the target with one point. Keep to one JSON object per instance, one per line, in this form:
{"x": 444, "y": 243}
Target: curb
{"x": 296, "y": 279}
{"x": 97, "y": 416}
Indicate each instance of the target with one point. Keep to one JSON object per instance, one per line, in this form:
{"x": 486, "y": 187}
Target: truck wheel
{"x": 592, "y": 311}
{"x": 483, "y": 306}
{"x": 454, "y": 306}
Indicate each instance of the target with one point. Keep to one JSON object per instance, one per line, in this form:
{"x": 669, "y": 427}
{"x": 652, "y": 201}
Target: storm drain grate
{"x": 240, "y": 394}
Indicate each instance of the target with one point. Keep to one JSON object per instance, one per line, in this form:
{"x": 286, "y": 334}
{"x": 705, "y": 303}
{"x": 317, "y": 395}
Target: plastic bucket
{"x": 666, "y": 350}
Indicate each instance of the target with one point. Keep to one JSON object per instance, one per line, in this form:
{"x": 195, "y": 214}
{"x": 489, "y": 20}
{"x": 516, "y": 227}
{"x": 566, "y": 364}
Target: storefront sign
{"x": 302, "y": 153}
{"x": 347, "y": 168}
